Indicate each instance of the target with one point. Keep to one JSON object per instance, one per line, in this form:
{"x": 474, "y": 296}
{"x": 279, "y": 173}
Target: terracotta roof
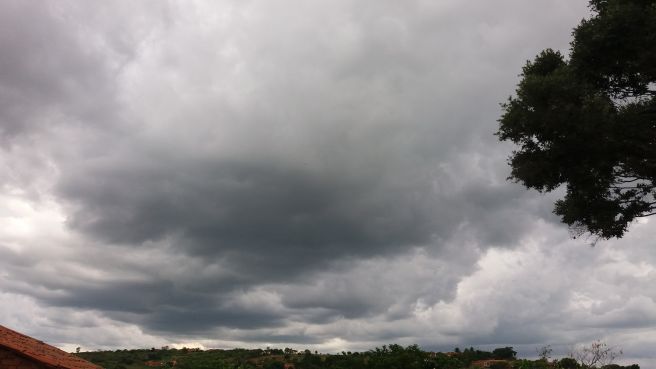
{"x": 41, "y": 352}
{"x": 487, "y": 363}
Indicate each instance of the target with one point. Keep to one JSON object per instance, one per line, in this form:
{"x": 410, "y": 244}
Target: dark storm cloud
{"x": 357, "y": 145}
{"x": 203, "y": 320}
{"x": 257, "y": 209}
{"x": 335, "y": 158}
{"x": 47, "y": 70}
{"x": 268, "y": 224}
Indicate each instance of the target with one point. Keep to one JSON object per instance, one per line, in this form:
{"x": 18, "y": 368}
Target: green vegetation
{"x": 386, "y": 357}
{"x": 588, "y": 123}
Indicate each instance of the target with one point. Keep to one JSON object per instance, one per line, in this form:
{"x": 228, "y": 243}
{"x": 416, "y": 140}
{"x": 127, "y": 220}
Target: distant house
{"x": 18, "y": 351}
{"x": 153, "y": 363}
{"x": 488, "y": 363}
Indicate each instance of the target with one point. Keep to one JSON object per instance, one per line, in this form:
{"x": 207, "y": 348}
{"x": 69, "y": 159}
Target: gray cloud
{"x": 48, "y": 70}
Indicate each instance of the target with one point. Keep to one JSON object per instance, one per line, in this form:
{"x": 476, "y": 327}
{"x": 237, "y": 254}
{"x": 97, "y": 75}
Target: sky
{"x": 306, "y": 174}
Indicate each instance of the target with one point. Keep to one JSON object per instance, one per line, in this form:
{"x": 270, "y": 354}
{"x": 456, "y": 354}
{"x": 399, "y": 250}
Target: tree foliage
{"x": 568, "y": 363}
{"x": 598, "y": 353}
{"x": 588, "y": 123}
{"x": 391, "y": 356}
{"x": 504, "y": 353}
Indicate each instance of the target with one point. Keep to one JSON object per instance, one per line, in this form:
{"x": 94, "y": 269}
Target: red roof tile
{"x": 41, "y": 352}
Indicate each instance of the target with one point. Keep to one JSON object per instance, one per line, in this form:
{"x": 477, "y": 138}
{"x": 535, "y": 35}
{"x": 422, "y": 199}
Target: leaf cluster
{"x": 588, "y": 124}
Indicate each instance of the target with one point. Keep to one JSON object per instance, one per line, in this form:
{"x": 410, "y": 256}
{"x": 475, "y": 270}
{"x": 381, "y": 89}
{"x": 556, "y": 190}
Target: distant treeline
{"x": 386, "y": 357}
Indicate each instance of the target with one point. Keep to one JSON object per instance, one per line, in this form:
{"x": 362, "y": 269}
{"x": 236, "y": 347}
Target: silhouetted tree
{"x": 589, "y": 123}
{"x": 504, "y": 353}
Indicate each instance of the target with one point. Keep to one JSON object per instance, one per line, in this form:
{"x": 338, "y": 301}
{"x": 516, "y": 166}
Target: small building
{"x": 18, "y": 351}
{"x": 489, "y": 363}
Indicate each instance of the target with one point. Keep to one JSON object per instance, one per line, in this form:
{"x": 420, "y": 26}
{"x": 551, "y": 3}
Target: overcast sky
{"x": 307, "y": 174}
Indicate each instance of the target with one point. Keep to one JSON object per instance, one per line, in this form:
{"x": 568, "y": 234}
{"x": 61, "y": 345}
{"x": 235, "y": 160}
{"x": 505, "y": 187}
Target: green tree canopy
{"x": 568, "y": 363}
{"x": 504, "y": 353}
{"x": 397, "y": 357}
{"x": 588, "y": 123}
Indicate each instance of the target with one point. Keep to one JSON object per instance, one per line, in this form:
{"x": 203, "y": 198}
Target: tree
{"x": 504, "y": 353}
{"x": 530, "y": 364}
{"x": 397, "y": 356}
{"x": 544, "y": 353}
{"x": 588, "y": 124}
{"x": 274, "y": 364}
{"x": 598, "y": 353}
{"x": 568, "y": 363}
{"x": 444, "y": 361}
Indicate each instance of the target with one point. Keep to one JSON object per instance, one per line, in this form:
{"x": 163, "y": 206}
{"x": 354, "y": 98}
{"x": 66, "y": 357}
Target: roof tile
{"x": 41, "y": 352}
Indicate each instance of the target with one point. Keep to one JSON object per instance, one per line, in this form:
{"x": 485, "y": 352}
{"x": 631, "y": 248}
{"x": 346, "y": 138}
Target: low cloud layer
{"x": 321, "y": 175}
